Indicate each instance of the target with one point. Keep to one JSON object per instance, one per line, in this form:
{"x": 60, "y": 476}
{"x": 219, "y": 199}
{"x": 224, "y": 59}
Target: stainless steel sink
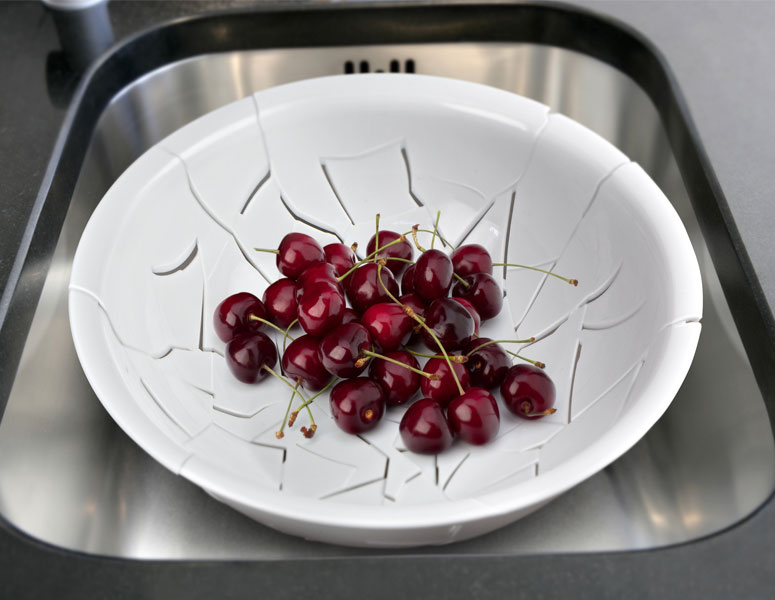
{"x": 70, "y": 477}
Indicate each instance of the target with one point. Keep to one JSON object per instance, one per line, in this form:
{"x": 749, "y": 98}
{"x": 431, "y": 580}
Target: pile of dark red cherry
{"x": 379, "y": 330}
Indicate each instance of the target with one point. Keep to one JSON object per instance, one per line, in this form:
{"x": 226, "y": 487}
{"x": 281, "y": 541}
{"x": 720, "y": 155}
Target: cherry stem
{"x": 283, "y": 379}
{"x": 376, "y": 235}
{"x": 414, "y": 237}
{"x": 295, "y": 413}
{"x": 461, "y": 280}
{"x": 285, "y": 334}
{"x": 574, "y": 282}
{"x": 435, "y": 227}
{"x": 272, "y": 325}
{"x": 527, "y": 341}
{"x": 430, "y": 376}
{"x": 267, "y": 250}
{"x": 444, "y": 241}
{"x": 536, "y": 363}
{"x": 457, "y": 358}
{"x": 279, "y": 434}
{"x": 384, "y": 287}
{"x": 409, "y": 311}
{"x": 370, "y": 257}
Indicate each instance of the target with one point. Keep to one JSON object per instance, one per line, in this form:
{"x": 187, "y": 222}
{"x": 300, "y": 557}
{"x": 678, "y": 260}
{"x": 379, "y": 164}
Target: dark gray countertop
{"x": 721, "y": 54}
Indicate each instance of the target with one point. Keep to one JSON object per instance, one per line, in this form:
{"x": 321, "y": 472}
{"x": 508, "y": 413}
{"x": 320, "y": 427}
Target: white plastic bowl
{"x": 175, "y": 235}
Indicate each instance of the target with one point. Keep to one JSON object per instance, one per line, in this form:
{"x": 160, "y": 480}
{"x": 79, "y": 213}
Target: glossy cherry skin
{"x": 301, "y": 362}
{"x": 470, "y": 259}
{"x": 341, "y": 257}
{"x": 443, "y": 389}
{"x": 350, "y": 316}
{"x": 407, "y": 280}
{"x": 487, "y": 365}
{"x": 357, "y": 405}
{"x": 398, "y": 383}
{"x": 364, "y": 289}
{"x": 483, "y": 292}
{"x": 231, "y": 315}
{"x": 450, "y": 321}
{"x": 341, "y": 348}
{"x": 390, "y": 327}
{"x": 318, "y": 273}
{"x": 247, "y": 353}
{"x": 402, "y": 250}
{"x": 471, "y": 311}
{"x": 528, "y": 391}
{"x": 321, "y": 309}
{"x": 424, "y": 429}
{"x": 432, "y": 275}
{"x": 297, "y": 252}
{"x": 474, "y": 416}
{"x": 280, "y": 301}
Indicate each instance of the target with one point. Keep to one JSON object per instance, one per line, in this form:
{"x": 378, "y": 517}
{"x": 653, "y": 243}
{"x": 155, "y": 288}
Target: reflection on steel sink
{"x": 71, "y": 477}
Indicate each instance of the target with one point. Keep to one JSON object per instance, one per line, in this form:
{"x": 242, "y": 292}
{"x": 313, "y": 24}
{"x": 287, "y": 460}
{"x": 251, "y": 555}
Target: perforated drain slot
{"x": 395, "y": 66}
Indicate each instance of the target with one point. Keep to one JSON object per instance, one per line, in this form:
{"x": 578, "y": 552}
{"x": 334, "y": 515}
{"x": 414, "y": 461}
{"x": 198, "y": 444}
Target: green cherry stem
{"x": 527, "y": 341}
{"x": 537, "y": 363}
{"x": 430, "y": 376}
{"x": 295, "y": 413}
{"x": 272, "y": 325}
{"x": 444, "y": 240}
{"x": 270, "y": 250}
{"x": 376, "y": 235}
{"x": 279, "y": 434}
{"x": 435, "y": 227}
{"x": 458, "y": 358}
{"x": 574, "y": 282}
{"x": 285, "y": 334}
{"x": 461, "y": 280}
{"x": 283, "y": 379}
{"x": 371, "y": 257}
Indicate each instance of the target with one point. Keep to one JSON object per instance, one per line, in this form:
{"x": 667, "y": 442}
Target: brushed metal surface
{"x": 71, "y": 477}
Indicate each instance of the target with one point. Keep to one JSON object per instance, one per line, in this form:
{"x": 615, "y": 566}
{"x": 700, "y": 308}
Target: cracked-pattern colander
{"x": 175, "y": 235}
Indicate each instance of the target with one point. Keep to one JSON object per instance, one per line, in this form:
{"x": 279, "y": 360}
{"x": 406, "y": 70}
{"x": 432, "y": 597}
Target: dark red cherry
{"x": 528, "y": 391}
{"x": 407, "y": 280}
{"x": 432, "y": 275}
{"x": 232, "y": 315}
{"x": 364, "y": 289}
{"x": 301, "y": 362}
{"x": 341, "y": 257}
{"x": 470, "y": 259}
{"x": 401, "y": 250}
{"x": 398, "y": 383}
{"x": 390, "y": 327}
{"x": 246, "y": 355}
{"x": 474, "y": 416}
{"x": 424, "y": 428}
{"x": 487, "y": 364}
{"x": 297, "y": 252}
{"x": 318, "y": 273}
{"x": 341, "y": 349}
{"x": 357, "y": 405}
{"x": 471, "y": 311}
{"x": 321, "y": 309}
{"x": 350, "y": 316}
{"x": 443, "y": 389}
{"x": 280, "y": 301}
{"x": 450, "y": 321}
{"x": 483, "y": 292}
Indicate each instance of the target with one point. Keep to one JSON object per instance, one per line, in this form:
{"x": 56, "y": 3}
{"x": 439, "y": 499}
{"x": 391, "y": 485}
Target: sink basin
{"x": 71, "y": 478}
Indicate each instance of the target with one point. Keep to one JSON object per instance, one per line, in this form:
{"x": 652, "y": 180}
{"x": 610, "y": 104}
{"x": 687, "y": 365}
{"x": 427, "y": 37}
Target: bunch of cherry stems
{"x": 358, "y": 404}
